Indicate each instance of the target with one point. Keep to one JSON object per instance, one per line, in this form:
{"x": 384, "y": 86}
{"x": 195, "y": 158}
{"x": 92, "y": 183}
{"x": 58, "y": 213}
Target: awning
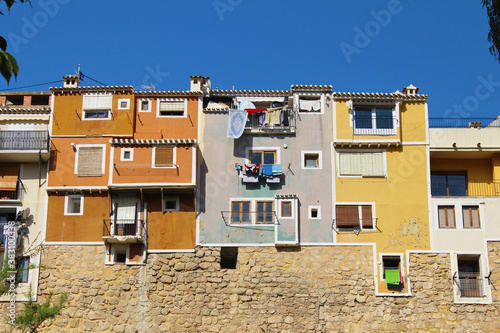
{"x": 9, "y": 173}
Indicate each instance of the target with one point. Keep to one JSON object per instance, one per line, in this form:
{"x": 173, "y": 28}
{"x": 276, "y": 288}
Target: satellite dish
{"x": 26, "y": 213}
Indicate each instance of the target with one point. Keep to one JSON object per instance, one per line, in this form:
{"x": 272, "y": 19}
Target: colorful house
{"x": 24, "y": 152}
{"x": 381, "y": 193}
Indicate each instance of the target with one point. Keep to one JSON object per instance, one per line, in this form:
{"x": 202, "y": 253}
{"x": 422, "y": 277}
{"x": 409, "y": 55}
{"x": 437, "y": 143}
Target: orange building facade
{"x": 122, "y": 170}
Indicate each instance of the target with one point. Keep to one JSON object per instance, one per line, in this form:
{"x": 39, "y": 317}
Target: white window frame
{"x": 253, "y": 209}
{"x": 139, "y": 105}
{"x": 86, "y": 109}
{"x": 374, "y": 130}
{"x": 292, "y": 208}
{"x": 359, "y": 204}
{"x": 459, "y": 219}
{"x": 310, "y": 209}
{"x": 159, "y": 100}
{"x": 401, "y": 264}
{"x": 126, "y": 107}
{"x": 171, "y": 198}
{"x": 111, "y": 252}
{"x": 91, "y": 145}
{"x": 125, "y": 150}
{"x": 309, "y": 152}
{"x": 296, "y": 102}
{"x": 483, "y": 270}
{"x": 174, "y": 158}
{"x": 66, "y": 203}
{"x": 342, "y": 151}
{"x": 274, "y": 149}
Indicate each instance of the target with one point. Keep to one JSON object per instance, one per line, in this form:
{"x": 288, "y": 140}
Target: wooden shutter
{"x": 9, "y": 173}
{"x": 347, "y": 216}
{"x": 471, "y": 216}
{"x": 366, "y": 216}
{"x": 362, "y": 164}
{"x": 164, "y": 156}
{"x": 446, "y": 216}
{"x": 90, "y": 161}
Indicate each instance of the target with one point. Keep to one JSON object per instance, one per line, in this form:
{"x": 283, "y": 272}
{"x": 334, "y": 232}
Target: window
{"x": 90, "y": 161}
{"x": 127, "y": 154}
{"x": 171, "y": 204}
{"x": 22, "y": 267}
{"x": 446, "y": 217}
{"x": 311, "y": 160}
{"x": 164, "y": 157}
{"x": 361, "y": 164}
{"x": 374, "y": 121}
{"x": 448, "y": 184}
{"x": 171, "y": 107}
{"x": 470, "y": 216}
{"x": 97, "y": 106}
{"x": 73, "y": 204}
{"x": 310, "y": 104}
{"x": 286, "y": 209}
{"x": 228, "y": 257}
{"x": 470, "y": 282}
{"x": 262, "y": 157}
{"x": 265, "y": 212}
{"x": 314, "y": 212}
{"x": 392, "y": 270}
{"x": 145, "y": 105}
{"x": 123, "y": 104}
{"x": 351, "y": 217}
{"x": 6, "y": 215}
{"x": 240, "y": 212}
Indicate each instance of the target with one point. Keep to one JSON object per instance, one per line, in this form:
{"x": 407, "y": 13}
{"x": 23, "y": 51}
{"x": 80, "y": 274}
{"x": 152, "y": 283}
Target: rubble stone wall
{"x": 307, "y": 289}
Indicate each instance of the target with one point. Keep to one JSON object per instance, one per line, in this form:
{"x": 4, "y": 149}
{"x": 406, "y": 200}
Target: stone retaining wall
{"x": 308, "y": 289}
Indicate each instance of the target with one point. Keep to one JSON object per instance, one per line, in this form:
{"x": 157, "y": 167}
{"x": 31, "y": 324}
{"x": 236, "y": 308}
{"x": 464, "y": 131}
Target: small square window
{"x": 471, "y": 217}
{"x": 171, "y": 204}
{"x": 311, "y": 160}
{"x": 392, "y": 271}
{"x": 446, "y": 217}
{"x": 127, "y": 154}
{"x": 74, "y": 204}
{"x": 228, "y": 257}
{"x": 144, "y": 105}
{"x": 314, "y": 212}
{"x": 123, "y": 104}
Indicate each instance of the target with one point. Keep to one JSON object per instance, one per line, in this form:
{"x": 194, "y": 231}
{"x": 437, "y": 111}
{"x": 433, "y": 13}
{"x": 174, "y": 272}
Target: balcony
{"x": 24, "y": 140}
{"x": 464, "y": 122}
{"x": 256, "y": 124}
{"x": 469, "y": 188}
{"x": 370, "y": 124}
{"x": 470, "y": 285}
{"x": 123, "y": 230}
{"x": 13, "y": 194}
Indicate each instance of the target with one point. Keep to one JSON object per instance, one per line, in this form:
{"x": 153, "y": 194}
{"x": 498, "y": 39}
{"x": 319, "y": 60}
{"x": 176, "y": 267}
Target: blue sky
{"x": 356, "y": 46}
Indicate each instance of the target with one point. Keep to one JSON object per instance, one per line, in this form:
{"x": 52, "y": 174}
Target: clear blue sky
{"x": 357, "y": 46}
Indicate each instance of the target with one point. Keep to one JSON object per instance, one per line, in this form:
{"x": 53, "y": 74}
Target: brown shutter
{"x": 9, "y": 173}
{"x": 367, "y": 220}
{"x": 164, "y": 156}
{"x": 89, "y": 161}
{"x": 347, "y": 215}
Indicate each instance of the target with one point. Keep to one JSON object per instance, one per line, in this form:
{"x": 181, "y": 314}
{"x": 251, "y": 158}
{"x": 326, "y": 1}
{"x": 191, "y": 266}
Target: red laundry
{"x": 251, "y": 111}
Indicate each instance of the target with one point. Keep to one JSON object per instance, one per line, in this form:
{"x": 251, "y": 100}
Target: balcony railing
{"x": 470, "y": 285}
{"x": 351, "y": 224}
{"x": 471, "y": 188}
{"x": 463, "y": 122}
{"x": 12, "y": 194}
{"x": 123, "y": 229}
{"x": 381, "y": 125}
{"x": 250, "y": 218}
{"x": 256, "y": 124}
{"x": 24, "y": 140}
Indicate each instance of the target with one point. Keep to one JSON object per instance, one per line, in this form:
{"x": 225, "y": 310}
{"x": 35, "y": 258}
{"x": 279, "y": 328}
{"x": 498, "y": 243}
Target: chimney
{"x": 71, "y": 81}
{"x": 410, "y": 90}
{"x": 201, "y": 83}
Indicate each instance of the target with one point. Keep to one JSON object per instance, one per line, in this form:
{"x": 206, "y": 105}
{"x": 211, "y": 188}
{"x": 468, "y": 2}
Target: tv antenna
{"x": 151, "y": 87}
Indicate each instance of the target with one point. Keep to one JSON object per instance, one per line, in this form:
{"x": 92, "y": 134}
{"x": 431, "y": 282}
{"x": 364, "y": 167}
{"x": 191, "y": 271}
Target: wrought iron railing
{"x": 256, "y": 123}
{"x": 381, "y": 125}
{"x": 248, "y": 218}
{"x": 350, "y": 224}
{"x": 463, "y": 122}
{"x": 470, "y": 285}
{"x": 24, "y": 140}
{"x": 123, "y": 227}
{"x": 12, "y": 194}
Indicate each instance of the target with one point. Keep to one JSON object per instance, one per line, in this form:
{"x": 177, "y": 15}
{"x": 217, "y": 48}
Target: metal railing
{"x": 24, "y": 140}
{"x": 123, "y": 227}
{"x": 350, "y": 224}
{"x": 471, "y": 188}
{"x": 380, "y": 125}
{"x": 463, "y": 122}
{"x": 256, "y": 123}
{"x": 248, "y": 218}
{"x": 470, "y": 285}
{"x": 12, "y": 194}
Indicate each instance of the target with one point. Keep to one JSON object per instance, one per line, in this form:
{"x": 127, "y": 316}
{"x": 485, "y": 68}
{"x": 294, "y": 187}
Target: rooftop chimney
{"x": 201, "y": 83}
{"x": 411, "y": 90}
{"x": 71, "y": 81}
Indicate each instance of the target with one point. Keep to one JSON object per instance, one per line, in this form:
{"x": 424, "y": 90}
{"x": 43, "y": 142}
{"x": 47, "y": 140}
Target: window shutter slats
{"x": 171, "y": 106}
{"x": 347, "y": 215}
{"x": 361, "y": 164}
{"x": 97, "y": 102}
{"x": 164, "y": 156}
{"x": 90, "y": 161}
{"x": 367, "y": 220}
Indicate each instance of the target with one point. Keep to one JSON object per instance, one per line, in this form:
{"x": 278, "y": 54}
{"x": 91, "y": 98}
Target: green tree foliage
{"x": 493, "y": 10}
{"x": 8, "y": 64}
{"x": 35, "y": 314}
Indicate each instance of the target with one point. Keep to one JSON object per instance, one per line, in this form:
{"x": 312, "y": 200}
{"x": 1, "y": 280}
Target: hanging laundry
{"x": 275, "y": 179}
{"x": 276, "y": 169}
{"x": 267, "y": 170}
{"x": 246, "y": 104}
{"x": 262, "y": 119}
{"x": 285, "y": 118}
{"x": 273, "y": 116}
{"x": 252, "y": 111}
{"x": 250, "y": 179}
{"x": 310, "y": 105}
{"x": 236, "y": 123}
{"x": 252, "y": 169}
